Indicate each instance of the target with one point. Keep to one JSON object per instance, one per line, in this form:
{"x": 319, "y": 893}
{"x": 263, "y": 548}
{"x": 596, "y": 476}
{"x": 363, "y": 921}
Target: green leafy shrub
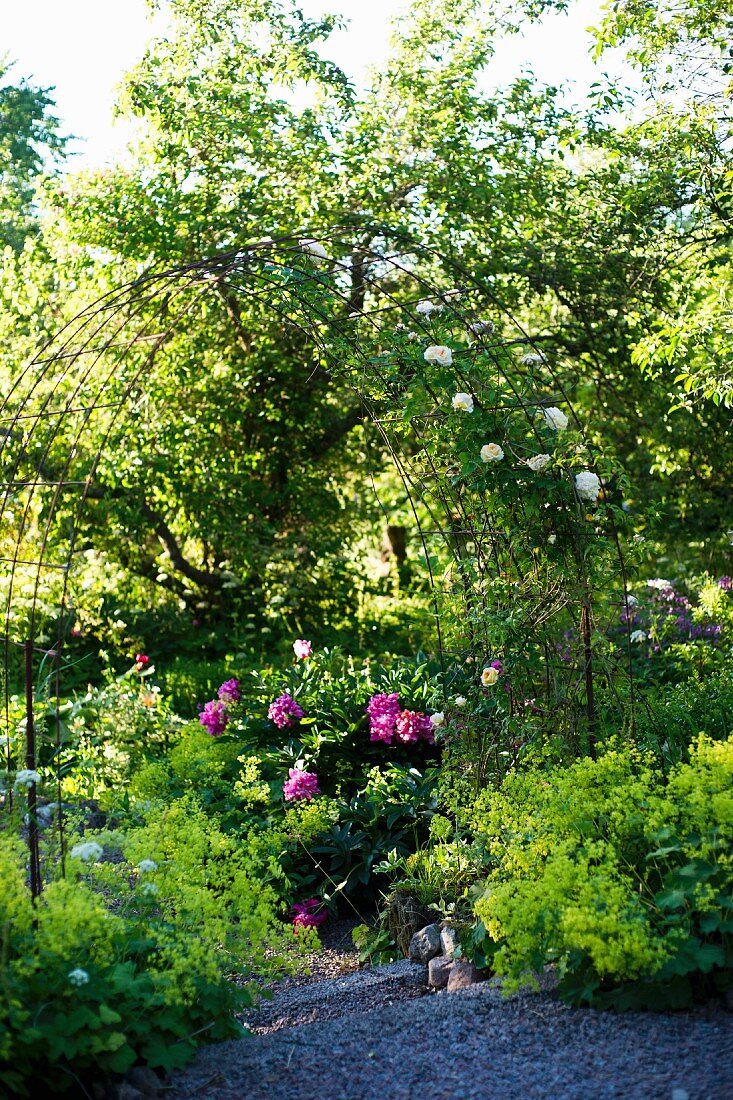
{"x": 669, "y": 718}
{"x": 620, "y": 877}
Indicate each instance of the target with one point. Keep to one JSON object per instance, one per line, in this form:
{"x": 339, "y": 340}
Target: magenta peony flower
{"x": 300, "y": 785}
{"x": 412, "y": 726}
{"x": 302, "y": 649}
{"x": 383, "y": 711}
{"x": 229, "y": 691}
{"x": 214, "y": 717}
{"x": 309, "y": 914}
{"x": 284, "y": 711}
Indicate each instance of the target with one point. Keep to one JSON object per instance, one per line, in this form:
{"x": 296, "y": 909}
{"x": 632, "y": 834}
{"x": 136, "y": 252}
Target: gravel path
{"x": 379, "y": 1035}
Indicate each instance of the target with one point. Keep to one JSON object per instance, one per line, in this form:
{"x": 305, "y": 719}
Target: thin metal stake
{"x": 30, "y": 763}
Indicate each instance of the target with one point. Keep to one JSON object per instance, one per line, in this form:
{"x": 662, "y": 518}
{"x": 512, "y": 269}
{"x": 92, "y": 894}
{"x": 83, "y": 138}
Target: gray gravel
{"x": 370, "y": 1036}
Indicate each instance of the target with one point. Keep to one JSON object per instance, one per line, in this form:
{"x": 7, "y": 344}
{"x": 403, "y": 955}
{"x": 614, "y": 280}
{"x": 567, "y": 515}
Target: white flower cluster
{"x": 587, "y": 486}
{"x": 637, "y": 636}
{"x": 88, "y": 852}
{"x": 426, "y": 307}
{"x": 538, "y": 462}
{"x": 78, "y": 977}
{"x": 555, "y": 419}
{"x": 314, "y": 248}
{"x": 145, "y": 866}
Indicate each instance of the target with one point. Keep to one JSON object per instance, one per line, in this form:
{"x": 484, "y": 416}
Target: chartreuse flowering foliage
{"x": 96, "y": 980}
{"x": 619, "y": 877}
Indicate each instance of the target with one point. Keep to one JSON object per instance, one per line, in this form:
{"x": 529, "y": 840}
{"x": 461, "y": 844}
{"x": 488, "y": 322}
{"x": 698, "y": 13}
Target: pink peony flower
{"x": 214, "y": 717}
{"x": 412, "y": 726}
{"x": 302, "y": 649}
{"x": 229, "y": 691}
{"x": 284, "y": 711}
{"x": 309, "y": 914}
{"x": 301, "y": 784}
{"x": 383, "y": 711}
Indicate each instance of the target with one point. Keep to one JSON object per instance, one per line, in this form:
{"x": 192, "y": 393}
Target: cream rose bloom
{"x": 460, "y": 700}
{"x": 555, "y": 419}
{"x": 491, "y": 452}
{"x": 437, "y": 719}
{"x": 587, "y": 486}
{"x": 463, "y": 402}
{"x": 489, "y": 677}
{"x": 438, "y": 353}
{"x": 538, "y": 462}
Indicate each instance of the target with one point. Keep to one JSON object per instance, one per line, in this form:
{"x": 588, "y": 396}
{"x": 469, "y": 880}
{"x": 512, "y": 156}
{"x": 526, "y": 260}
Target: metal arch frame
{"x": 83, "y": 346}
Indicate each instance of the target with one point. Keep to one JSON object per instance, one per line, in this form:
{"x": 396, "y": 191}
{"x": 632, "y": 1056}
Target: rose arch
{"x": 515, "y": 511}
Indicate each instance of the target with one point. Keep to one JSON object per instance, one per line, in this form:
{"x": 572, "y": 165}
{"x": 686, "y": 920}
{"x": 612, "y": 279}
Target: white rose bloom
{"x": 637, "y": 636}
{"x": 89, "y": 852}
{"x": 552, "y": 539}
{"x": 489, "y": 676}
{"x": 478, "y": 328}
{"x": 538, "y": 462}
{"x": 438, "y": 353}
{"x": 491, "y": 452}
{"x": 460, "y": 700}
{"x": 25, "y": 777}
{"x": 532, "y": 359}
{"x": 631, "y": 600}
{"x": 587, "y": 486}
{"x": 426, "y": 307}
{"x": 145, "y": 866}
{"x": 555, "y": 419}
{"x": 78, "y": 976}
{"x": 437, "y": 719}
{"x": 463, "y": 402}
{"x": 314, "y": 248}
{"x": 659, "y": 582}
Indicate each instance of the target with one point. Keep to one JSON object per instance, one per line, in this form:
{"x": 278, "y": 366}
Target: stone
{"x": 127, "y": 1092}
{"x": 449, "y": 941}
{"x": 144, "y": 1080}
{"x": 439, "y": 970}
{"x": 462, "y": 975}
{"x": 425, "y": 944}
